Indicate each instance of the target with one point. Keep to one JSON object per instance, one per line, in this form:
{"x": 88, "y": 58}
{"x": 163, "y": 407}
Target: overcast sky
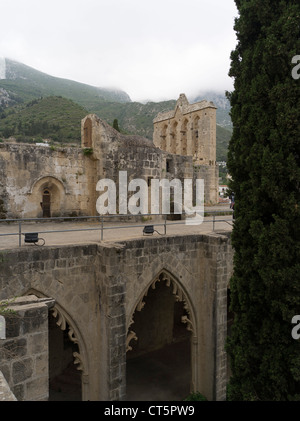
{"x": 153, "y": 50}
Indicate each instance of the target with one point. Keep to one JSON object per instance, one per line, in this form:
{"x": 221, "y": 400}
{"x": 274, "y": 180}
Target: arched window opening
{"x": 164, "y": 138}
{"x": 173, "y": 137}
{"x": 195, "y": 137}
{"x": 87, "y": 133}
{"x": 184, "y": 137}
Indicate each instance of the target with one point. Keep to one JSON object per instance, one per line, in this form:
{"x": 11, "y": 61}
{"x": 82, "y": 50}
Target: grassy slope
{"x": 54, "y": 117}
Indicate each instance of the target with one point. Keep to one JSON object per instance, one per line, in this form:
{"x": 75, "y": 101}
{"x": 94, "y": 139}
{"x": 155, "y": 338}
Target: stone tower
{"x": 190, "y": 130}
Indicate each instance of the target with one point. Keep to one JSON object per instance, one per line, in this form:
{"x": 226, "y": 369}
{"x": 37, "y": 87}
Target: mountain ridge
{"x": 27, "y": 84}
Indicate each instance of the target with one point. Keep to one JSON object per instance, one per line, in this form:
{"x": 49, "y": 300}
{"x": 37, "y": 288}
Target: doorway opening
{"x": 46, "y": 204}
{"x": 64, "y": 377}
{"x": 158, "y": 366}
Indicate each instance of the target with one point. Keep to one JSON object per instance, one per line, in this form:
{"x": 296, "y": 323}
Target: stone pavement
{"x": 113, "y": 231}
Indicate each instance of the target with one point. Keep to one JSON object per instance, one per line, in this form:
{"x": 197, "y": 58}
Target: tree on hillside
{"x": 264, "y": 162}
{"x": 116, "y": 125}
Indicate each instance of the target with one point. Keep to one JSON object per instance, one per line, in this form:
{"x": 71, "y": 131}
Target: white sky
{"x": 153, "y": 50}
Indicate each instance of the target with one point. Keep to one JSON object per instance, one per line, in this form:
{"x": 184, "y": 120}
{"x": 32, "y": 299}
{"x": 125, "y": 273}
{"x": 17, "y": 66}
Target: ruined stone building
{"x": 37, "y": 181}
{"x": 103, "y": 310}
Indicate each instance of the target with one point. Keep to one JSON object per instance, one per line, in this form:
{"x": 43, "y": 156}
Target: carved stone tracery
{"x": 166, "y": 277}
{"x": 63, "y": 323}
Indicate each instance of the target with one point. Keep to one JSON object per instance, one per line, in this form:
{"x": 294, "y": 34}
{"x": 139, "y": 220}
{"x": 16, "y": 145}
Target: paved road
{"x": 90, "y": 231}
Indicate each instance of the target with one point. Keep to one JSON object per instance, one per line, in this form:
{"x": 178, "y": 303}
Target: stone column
{"x": 24, "y": 354}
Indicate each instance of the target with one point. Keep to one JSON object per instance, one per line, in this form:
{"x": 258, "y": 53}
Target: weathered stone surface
{"x": 24, "y": 357}
{"x": 190, "y": 130}
{"x": 97, "y": 289}
{"x": 36, "y": 181}
{"x": 22, "y": 370}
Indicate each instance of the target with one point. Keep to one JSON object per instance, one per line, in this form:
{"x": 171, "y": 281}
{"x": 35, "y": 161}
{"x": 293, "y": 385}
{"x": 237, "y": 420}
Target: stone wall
{"x": 99, "y": 288}
{"x": 26, "y": 171}
{"x": 38, "y": 181}
{"x": 189, "y": 129}
{"x": 24, "y": 352}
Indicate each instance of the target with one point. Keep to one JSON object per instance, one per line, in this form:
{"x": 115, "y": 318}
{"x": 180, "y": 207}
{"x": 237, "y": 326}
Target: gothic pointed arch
{"x": 195, "y": 137}
{"x": 47, "y": 196}
{"x": 183, "y": 132}
{"x": 170, "y": 281}
{"x": 173, "y": 137}
{"x": 66, "y": 323}
{"x": 163, "y": 136}
{"x": 48, "y": 181}
{"x": 87, "y": 133}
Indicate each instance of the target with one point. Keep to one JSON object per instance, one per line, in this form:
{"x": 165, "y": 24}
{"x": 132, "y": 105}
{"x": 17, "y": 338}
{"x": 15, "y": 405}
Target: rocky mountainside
{"x": 20, "y": 83}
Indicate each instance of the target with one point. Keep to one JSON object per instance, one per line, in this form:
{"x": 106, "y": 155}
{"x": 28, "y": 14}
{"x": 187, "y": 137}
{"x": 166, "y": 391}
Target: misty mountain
{"x": 222, "y": 104}
{"x": 20, "y": 83}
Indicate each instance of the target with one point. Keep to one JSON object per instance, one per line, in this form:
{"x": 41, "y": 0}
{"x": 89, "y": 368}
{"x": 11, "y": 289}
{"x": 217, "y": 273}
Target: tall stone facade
{"x": 190, "y": 130}
{"x": 37, "y": 181}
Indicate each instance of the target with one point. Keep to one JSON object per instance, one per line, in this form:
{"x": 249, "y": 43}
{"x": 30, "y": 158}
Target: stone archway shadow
{"x": 65, "y": 322}
{"x": 166, "y": 276}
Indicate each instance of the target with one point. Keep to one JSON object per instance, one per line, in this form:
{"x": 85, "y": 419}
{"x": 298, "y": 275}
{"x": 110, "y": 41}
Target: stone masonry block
{"x": 22, "y": 370}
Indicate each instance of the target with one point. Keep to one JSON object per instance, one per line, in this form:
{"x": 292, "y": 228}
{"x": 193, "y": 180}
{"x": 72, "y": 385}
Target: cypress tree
{"x": 116, "y": 124}
{"x": 264, "y": 162}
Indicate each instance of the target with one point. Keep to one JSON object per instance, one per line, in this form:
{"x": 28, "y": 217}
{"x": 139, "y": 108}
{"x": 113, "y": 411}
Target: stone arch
{"x": 87, "y": 133}
{"x": 173, "y": 137}
{"x": 47, "y": 181}
{"x": 170, "y": 281}
{"x": 164, "y": 137}
{"x": 178, "y": 290}
{"x": 195, "y": 136}
{"x": 151, "y": 271}
{"x": 54, "y": 189}
{"x": 64, "y": 322}
{"x": 183, "y": 132}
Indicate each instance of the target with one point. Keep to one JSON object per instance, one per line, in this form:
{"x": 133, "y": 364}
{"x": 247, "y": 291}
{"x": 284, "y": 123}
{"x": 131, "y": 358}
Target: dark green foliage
{"x": 264, "y": 161}
{"x": 54, "y": 118}
{"x": 87, "y": 151}
{"x": 195, "y": 396}
{"x": 116, "y": 124}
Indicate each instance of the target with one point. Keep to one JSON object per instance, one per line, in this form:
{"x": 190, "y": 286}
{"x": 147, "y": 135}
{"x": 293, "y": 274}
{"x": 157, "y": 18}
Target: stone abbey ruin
{"x": 104, "y": 311}
{"x": 41, "y": 182}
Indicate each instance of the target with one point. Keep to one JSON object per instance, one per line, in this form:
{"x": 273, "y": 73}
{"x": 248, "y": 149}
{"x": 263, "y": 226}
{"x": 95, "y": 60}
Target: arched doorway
{"x": 64, "y": 377}
{"x": 46, "y": 203}
{"x": 47, "y": 197}
{"x": 159, "y": 340}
